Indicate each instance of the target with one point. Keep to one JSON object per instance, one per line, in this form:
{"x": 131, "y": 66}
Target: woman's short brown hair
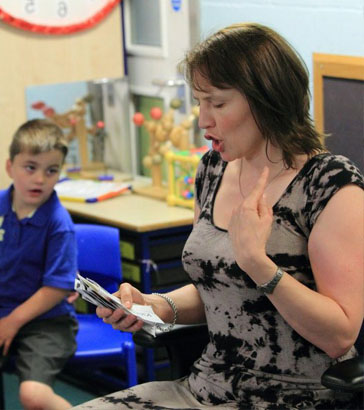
{"x": 265, "y": 68}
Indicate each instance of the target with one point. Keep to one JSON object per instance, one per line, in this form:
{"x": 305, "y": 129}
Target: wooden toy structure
{"x": 182, "y": 166}
{"x": 74, "y": 120}
{"x": 164, "y": 135}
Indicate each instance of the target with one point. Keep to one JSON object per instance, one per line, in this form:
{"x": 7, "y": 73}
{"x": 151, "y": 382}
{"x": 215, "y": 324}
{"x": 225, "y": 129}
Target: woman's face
{"x": 226, "y": 117}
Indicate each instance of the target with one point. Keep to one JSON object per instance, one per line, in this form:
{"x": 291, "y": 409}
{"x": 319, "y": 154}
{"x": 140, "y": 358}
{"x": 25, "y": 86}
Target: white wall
{"x": 321, "y": 26}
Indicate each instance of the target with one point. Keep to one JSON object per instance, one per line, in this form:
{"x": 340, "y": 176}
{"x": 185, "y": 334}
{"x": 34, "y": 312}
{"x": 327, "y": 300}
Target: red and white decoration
{"x": 55, "y": 16}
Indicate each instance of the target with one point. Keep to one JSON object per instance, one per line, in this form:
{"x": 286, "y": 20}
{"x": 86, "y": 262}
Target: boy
{"x": 37, "y": 265}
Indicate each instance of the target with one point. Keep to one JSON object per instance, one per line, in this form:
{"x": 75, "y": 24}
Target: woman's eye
{"x": 218, "y": 105}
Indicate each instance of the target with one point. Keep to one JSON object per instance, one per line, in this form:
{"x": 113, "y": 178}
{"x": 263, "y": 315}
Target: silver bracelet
{"x": 174, "y": 308}
{"x": 268, "y": 287}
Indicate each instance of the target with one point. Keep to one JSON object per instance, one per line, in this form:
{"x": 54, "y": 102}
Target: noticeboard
{"x": 339, "y": 104}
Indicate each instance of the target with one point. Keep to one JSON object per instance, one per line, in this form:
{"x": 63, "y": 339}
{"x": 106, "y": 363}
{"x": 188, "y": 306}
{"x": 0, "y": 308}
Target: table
{"x": 133, "y": 212}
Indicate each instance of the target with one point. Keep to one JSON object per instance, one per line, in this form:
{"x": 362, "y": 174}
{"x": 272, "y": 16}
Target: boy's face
{"x": 34, "y": 177}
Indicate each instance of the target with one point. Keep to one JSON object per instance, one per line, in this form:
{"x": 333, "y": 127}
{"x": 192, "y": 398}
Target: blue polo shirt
{"x": 35, "y": 251}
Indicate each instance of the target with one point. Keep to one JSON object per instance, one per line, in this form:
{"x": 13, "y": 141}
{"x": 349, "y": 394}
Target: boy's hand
{"x": 8, "y": 330}
{"x": 72, "y": 297}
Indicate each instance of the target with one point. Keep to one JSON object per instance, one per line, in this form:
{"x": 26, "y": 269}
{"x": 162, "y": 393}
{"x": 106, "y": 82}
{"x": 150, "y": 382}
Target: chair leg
{"x": 130, "y": 359}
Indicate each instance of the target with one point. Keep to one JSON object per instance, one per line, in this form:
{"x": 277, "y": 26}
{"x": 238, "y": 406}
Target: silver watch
{"x": 268, "y": 288}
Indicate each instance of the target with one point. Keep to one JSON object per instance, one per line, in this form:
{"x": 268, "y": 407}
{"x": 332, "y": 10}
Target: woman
{"x": 276, "y": 255}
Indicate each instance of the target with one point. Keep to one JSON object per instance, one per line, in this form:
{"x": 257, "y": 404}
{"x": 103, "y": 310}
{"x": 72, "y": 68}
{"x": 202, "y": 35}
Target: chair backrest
{"x": 99, "y": 255}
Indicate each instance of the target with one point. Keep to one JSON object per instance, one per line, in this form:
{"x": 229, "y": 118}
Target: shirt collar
{"x": 42, "y": 214}
{"x": 28, "y": 216}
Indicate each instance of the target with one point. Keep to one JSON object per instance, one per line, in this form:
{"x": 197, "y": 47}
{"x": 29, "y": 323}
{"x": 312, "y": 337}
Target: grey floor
{"x": 67, "y": 390}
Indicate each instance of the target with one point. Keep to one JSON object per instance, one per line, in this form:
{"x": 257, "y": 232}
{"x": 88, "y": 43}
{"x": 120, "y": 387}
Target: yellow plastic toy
{"x": 163, "y": 135}
{"x": 182, "y": 166}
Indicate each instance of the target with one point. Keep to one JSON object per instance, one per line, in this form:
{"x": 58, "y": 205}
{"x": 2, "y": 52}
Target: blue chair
{"x": 98, "y": 344}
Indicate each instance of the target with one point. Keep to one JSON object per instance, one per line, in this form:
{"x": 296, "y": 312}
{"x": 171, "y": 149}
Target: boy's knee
{"x": 34, "y": 395}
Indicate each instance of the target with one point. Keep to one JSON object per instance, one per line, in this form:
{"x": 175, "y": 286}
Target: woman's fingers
{"x": 118, "y": 318}
{"x": 264, "y": 210}
{"x": 125, "y": 295}
{"x": 133, "y": 326}
{"x": 103, "y": 312}
{"x": 121, "y": 321}
{"x": 129, "y": 295}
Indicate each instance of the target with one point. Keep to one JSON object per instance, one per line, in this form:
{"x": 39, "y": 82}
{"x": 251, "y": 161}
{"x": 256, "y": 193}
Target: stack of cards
{"x": 97, "y": 295}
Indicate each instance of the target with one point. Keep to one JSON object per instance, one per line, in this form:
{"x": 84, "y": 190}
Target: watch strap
{"x": 268, "y": 287}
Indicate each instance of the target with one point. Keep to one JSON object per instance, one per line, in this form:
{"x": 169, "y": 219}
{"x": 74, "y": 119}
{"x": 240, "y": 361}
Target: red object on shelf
{"x": 38, "y": 105}
{"x": 48, "y": 111}
{"x": 156, "y": 113}
{"x": 138, "y": 119}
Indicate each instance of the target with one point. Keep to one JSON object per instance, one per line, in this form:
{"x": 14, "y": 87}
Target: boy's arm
{"x": 40, "y": 302}
{"x": 43, "y": 300}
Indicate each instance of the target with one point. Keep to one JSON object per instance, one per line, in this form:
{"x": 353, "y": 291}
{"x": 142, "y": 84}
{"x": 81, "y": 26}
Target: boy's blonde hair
{"x": 37, "y": 136}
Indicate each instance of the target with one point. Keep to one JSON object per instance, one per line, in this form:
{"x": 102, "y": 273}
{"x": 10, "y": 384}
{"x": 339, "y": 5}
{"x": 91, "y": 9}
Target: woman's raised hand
{"x": 250, "y": 226}
{"x": 117, "y": 318}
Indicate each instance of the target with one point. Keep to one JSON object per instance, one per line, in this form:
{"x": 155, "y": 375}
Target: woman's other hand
{"x": 250, "y": 226}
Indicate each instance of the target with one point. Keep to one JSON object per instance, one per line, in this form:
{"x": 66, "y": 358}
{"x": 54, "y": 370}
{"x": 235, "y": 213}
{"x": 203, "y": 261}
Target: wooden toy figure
{"x": 164, "y": 134}
{"x": 74, "y": 121}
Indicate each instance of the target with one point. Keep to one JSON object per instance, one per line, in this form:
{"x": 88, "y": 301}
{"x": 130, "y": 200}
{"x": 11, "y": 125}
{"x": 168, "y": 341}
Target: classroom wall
{"x": 321, "y": 26}
{"x": 325, "y": 26}
{"x": 33, "y": 59}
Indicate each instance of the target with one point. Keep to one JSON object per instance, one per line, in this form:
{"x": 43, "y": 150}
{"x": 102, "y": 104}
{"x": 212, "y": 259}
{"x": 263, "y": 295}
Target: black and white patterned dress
{"x": 254, "y": 360}
{"x": 254, "y": 357}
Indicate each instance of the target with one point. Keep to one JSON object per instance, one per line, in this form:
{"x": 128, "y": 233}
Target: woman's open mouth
{"x": 217, "y": 145}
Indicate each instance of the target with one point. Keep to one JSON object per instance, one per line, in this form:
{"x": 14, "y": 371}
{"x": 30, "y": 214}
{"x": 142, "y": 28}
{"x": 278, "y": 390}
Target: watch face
{"x": 54, "y": 16}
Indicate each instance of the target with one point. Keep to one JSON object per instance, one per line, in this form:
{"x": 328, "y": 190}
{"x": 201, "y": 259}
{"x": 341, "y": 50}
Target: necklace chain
{"x": 269, "y": 182}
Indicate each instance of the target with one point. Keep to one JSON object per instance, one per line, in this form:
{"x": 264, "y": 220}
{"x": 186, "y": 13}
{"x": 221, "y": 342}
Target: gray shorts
{"x": 42, "y": 347}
